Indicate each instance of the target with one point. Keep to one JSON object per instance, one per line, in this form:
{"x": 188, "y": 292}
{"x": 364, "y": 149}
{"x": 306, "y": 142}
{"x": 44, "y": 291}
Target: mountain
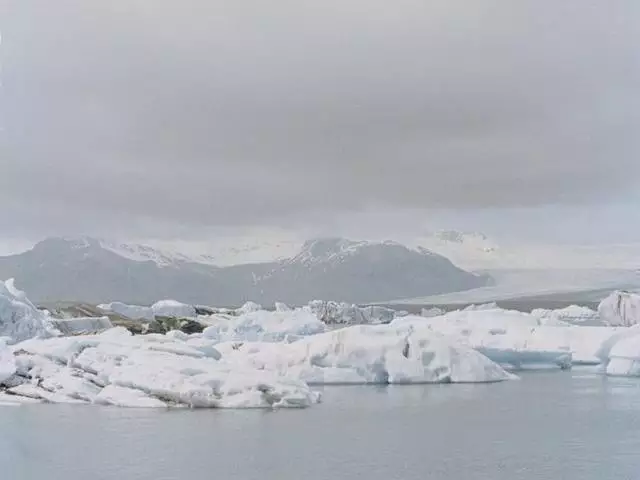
{"x": 92, "y": 270}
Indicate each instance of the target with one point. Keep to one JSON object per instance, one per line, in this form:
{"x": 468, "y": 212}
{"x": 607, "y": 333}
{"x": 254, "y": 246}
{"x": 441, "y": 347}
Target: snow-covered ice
{"x": 620, "y": 309}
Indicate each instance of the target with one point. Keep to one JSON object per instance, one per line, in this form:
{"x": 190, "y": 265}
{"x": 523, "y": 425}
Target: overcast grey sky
{"x": 166, "y": 118}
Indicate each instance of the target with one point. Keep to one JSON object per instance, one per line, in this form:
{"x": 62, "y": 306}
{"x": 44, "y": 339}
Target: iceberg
{"x": 132, "y": 312}
{"x": 173, "y": 309}
{"x": 572, "y": 315}
{"x": 19, "y": 318}
{"x": 369, "y": 355}
{"x": 517, "y": 340}
{"x": 620, "y": 309}
{"x": 262, "y": 325}
{"x": 335, "y": 313}
{"x": 116, "y": 368}
{"x": 80, "y": 325}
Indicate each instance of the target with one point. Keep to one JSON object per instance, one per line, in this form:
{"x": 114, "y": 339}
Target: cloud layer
{"x": 133, "y": 113}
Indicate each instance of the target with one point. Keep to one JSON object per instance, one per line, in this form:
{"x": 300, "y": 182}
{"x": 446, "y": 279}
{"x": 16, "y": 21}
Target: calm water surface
{"x": 561, "y": 425}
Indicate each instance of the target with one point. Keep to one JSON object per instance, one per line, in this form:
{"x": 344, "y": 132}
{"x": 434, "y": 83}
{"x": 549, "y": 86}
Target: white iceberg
{"x": 248, "y": 307}
{"x": 115, "y": 368}
{"x": 132, "y": 312}
{"x": 338, "y": 313}
{"x": 263, "y": 326}
{"x": 82, "y": 325}
{"x": 19, "y": 318}
{"x": 173, "y": 309}
{"x": 571, "y": 315}
{"x": 620, "y": 309}
{"x": 368, "y": 355}
{"x": 515, "y": 339}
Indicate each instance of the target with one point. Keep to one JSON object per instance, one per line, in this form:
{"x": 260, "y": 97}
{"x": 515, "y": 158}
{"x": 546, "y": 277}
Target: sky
{"x": 184, "y": 120}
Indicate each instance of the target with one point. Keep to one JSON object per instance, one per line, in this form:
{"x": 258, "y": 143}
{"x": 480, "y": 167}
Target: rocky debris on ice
{"x": 620, "y": 309}
{"x": 19, "y": 318}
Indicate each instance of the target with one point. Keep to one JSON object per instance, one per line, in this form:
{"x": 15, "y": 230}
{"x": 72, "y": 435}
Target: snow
{"x": 132, "y": 312}
{"x": 173, "y": 309}
{"x": 19, "y": 318}
{"x": 620, "y": 309}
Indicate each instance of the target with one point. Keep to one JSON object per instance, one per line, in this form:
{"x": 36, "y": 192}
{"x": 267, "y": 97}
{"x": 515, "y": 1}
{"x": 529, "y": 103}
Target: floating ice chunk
{"x": 117, "y": 368}
{"x": 620, "y": 353}
{"x": 349, "y": 314}
{"x": 132, "y": 312}
{"x": 248, "y": 307}
{"x": 79, "y": 325}
{"x": 572, "y": 315}
{"x": 173, "y": 309}
{"x": 282, "y": 307}
{"x": 368, "y": 354}
{"x": 620, "y": 309}
{"x": 263, "y": 326}
{"x": 19, "y": 318}
{"x": 516, "y": 339}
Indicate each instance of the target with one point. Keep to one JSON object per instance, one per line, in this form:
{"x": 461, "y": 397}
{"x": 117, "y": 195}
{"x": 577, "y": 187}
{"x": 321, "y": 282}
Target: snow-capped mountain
{"x": 96, "y": 271}
{"x": 468, "y": 250}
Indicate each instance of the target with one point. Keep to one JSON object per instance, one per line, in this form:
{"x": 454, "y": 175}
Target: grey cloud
{"x": 143, "y": 114}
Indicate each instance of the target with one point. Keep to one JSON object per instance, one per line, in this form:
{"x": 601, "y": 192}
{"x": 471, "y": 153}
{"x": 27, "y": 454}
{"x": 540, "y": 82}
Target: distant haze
{"x": 165, "y": 119}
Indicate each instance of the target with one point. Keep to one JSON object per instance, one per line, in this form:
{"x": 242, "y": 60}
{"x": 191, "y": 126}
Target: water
{"x": 559, "y": 425}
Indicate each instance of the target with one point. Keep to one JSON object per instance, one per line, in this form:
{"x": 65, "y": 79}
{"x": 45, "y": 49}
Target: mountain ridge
{"x": 91, "y": 270}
